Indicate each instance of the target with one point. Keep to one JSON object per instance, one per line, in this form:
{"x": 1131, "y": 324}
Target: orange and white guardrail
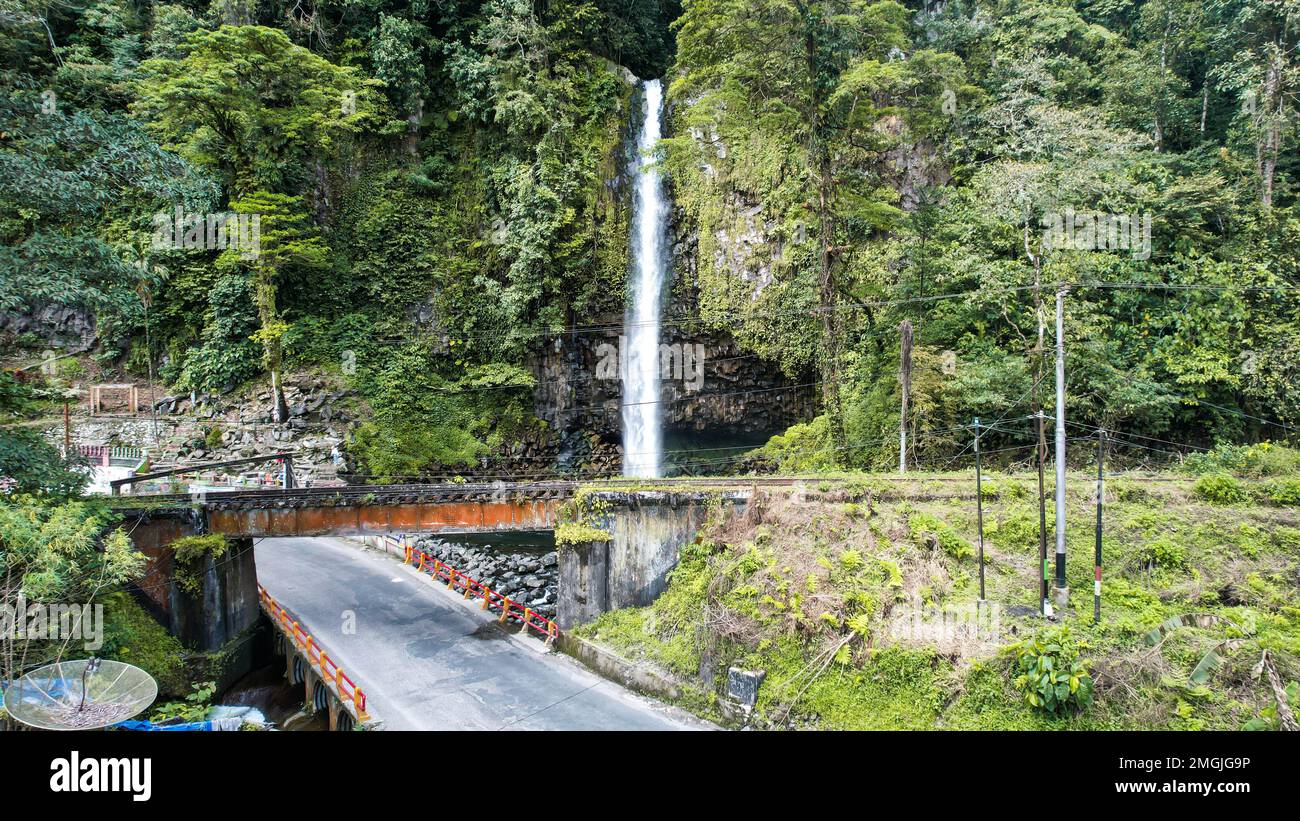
{"x": 471, "y": 588}
{"x": 316, "y": 655}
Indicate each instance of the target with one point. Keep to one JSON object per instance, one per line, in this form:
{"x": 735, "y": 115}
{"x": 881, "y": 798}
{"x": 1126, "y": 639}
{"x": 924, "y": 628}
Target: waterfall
{"x": 642, "y": 426}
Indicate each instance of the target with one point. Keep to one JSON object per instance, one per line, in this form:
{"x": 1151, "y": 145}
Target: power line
{"x": 1207, "y": 403}
{"x": 861, "y": 305}
{"x": 1114, "y": 432}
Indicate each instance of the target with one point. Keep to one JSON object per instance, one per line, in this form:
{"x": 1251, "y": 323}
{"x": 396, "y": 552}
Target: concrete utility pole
{"x": 1101, "y": 495}
{"x": 979, "y": 505}
{"x": 1061, "y": 593}
{"x": 905, "y": 374}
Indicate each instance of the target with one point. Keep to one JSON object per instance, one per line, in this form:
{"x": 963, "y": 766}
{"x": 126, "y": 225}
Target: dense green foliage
{"x": 446, "y": 185}
{"x": 906, "y": 163}
{"x": 59, "y": 553}
{"x": 133, "y": 636}
{"x": 402, "y": 157}
{"x": 28, "y": 462}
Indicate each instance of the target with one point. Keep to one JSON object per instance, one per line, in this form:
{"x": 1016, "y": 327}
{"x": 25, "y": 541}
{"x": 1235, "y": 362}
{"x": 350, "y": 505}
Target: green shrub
{"x": 1163, "y": 552}
{"x": 803, "y": 448}
{"x": 1220, "y": 489}
{"x": 187, "y": 561}
{"x": 1052, "y": 678}
{"x": 1249, "y": 539}
{"x": 195, "y": 707}
{"x": 928, "y": 531}
{"x": 1005, "y": 489}
{"x": 1284, "y": 492}
{"x": 570, "y": 533}
{"x": 1018, "y": 529}
{"x": 1262, "y": 459}
{"x": 1126, "y": 490}
{"x": 212, "y": 439}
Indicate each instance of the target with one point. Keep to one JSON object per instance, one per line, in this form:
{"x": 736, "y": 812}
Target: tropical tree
{"x": 249, "y": 103}
{"x": 795, "y": 103}
{"x": 55, "y": 553}
{"x": 286, "y": 238}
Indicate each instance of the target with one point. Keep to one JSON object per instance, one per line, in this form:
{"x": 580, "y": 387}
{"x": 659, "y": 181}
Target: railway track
{"x": 549, "y": 487}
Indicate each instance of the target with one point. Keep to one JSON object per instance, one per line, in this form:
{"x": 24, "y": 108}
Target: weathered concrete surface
{"x": 639, "y": 676}
{"x": 583, "y": 589}
{"x": 227, "y": 605}
{"x": 428, "y": 661}
{"x": 649, "y": 528}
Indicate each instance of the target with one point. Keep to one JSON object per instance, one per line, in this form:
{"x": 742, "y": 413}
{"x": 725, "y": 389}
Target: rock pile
{"x": 527, "y": 577}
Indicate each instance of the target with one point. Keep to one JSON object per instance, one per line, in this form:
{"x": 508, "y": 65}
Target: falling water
{"x": 642, "y": 434}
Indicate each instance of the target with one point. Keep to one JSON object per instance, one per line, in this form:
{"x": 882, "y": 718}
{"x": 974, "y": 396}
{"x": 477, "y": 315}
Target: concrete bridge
{"x": 644, "y": 530}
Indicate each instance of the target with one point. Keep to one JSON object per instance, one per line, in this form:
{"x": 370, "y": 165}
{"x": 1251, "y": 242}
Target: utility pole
{"x": 1101, "y": 494}
{"x": 905, "y": 374}
{"x": 979, "y": 505}
{"x": 1046, "y": 606}
{"x": 1061, "y": 594}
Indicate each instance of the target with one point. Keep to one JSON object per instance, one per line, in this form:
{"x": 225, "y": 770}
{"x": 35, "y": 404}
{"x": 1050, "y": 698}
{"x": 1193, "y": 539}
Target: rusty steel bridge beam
{"x": 466, "y": 516}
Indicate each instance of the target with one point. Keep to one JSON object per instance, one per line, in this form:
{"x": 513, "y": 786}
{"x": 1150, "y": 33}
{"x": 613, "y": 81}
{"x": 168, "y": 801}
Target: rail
{"x": 105, "y": 455}
{"x": 285, "y": 457}
{"x": 316, "y": 655}
{"x": 472, "y": 588}
{"x": 378, "y": 493}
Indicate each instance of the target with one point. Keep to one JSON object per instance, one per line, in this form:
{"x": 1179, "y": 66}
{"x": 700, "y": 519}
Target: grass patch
{"x": 813, "y": 589}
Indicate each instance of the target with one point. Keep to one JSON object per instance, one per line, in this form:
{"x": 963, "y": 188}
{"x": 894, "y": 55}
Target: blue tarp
{"x": 224, "y": 724}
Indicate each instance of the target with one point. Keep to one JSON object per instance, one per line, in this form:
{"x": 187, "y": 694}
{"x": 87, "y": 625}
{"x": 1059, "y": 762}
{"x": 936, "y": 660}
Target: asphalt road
{"x": 427, "y": 661}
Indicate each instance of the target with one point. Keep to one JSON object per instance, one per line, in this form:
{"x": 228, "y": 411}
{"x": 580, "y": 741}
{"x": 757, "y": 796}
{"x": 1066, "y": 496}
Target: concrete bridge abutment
{"x": 647, "y": 531}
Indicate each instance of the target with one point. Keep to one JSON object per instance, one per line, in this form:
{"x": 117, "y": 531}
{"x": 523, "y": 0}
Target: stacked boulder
{"x": 527, "y": 576}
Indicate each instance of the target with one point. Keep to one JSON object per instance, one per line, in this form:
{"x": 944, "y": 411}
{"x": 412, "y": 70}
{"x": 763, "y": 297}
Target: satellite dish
{"x": 83, "y": 694}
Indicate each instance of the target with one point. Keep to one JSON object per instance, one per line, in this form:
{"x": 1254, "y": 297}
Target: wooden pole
{"x": 1046, "y": 606}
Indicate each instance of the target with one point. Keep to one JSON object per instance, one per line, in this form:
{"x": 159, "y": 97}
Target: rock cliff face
{"x": 713, "y": 392}
{"x": 59, "y": 326}
{"x": 709, "y": 385}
